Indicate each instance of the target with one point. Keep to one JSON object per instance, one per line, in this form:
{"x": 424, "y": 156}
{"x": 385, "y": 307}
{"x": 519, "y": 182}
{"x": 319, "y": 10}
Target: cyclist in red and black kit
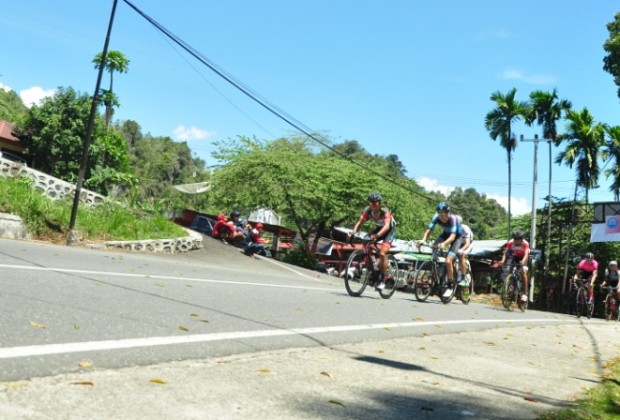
{"x": 518, "y": 250}
{"x": 586, "y": 269}
{"x": 385, "y": 230}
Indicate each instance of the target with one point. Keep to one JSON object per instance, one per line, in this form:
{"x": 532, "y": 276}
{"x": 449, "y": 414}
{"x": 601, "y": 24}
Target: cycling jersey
{"x": 589, "y": 266}
{"x": 612, "y": 277}
{"x": 449, "y": 227}
{"x": 515, "y": 250}
{"x": 383, "y": 217}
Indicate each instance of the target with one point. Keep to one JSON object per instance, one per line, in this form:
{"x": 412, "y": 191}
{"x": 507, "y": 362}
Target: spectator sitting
{"x": 239, "y": 223}
{"x": 222, "y": 229}
{"x": 255, "y": 244}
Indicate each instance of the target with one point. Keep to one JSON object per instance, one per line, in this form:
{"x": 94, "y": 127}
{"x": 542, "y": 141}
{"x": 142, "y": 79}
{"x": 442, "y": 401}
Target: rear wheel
{"x": 391, "y": 278}
{"x": 466, "y": 292}
{"x": 581, "y": 302}
{"x": 424, "y": 281}
{"x": 356, "y": 273}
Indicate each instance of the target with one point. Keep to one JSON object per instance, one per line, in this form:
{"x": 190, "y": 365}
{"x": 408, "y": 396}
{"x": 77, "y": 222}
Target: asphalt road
{"x": 215, "y": 334}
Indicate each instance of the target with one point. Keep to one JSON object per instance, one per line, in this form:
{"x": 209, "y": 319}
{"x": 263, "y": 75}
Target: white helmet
{"x": 613, "y": 263}
{"x": 459, "y": 219}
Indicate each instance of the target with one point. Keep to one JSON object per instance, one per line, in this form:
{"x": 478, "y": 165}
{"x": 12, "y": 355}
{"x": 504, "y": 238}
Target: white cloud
{"x": 535, "y": 79}
{"x": 5, "y": 88}
{"x": 34, "y": 95}
{"x": 191, "y": 133}
{"x": 519, "y": 206}
{"x": 432, "y": 185}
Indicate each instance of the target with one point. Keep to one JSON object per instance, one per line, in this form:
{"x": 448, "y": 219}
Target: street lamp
{"x": 536, "y": 140}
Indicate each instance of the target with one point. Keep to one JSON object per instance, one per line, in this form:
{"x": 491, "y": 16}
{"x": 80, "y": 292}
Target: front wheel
{"x": 447, "y": 286}
{"x": 508, "y": 293}
{"x": 391, "y": 278}
{"x": 581, "y": 302}
{"x": 424, "y": 281}
{"x": 356, "y": 273}
{"x": 609, "y": 307}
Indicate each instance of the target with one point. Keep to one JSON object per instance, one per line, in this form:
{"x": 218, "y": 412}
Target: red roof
{"x": 7, "y": 138}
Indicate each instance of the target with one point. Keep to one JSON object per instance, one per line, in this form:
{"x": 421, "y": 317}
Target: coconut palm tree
{"x": 584, "y": 138}
{"x": 499, "y": 123}
{"x": 115, "y": 61}
{"x": 611, "y": 151}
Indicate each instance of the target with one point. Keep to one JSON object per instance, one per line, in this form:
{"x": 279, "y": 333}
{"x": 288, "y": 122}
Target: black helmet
{"x": 518, "y": 234}
{"x": 589, "y": 256}
{"x": 443, "y": 206}
{"x": 374, "y": 196}
{"x": 234, "y": 213}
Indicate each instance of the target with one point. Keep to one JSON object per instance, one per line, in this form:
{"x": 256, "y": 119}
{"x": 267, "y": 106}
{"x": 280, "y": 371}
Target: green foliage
{"x": 612, "y": 47}
{"x": 482, "y": 215}
{"x": 109, "y": 221}
{"x": 12, "y": 108}
{"x": 300, "y": 257}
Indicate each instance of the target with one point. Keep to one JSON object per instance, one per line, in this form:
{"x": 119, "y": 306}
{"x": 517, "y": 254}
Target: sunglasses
{"x": 375, "y": 202}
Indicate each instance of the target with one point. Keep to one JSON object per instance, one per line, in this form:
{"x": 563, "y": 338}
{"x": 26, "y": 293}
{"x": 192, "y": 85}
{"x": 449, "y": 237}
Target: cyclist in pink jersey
{"x": 518, "y": 251}
{"x": 587, "y": 268}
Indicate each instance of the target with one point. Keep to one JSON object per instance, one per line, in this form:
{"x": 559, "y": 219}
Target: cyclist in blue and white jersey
{"x": 450, "y": 238}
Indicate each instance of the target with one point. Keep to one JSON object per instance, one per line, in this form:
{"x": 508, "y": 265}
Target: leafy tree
{"x": 499, "y": 124}
{"x": 115, "y": 61}
{"x": 584, "y": 137}
{"x": 611, "y": 62}
{"x": 611, "y": 152}
{"x": 11, "y": 106}
{"x": 481, "y": 214}
{"x": 546, "y": 109}
{"x": 53, "y": 134}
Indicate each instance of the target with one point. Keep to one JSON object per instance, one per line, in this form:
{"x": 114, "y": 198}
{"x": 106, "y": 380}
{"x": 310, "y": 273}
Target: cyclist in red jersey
{"x": 518, "y": 249}
{"x": 385, "y": 230}
{"x": 587, "y": 268}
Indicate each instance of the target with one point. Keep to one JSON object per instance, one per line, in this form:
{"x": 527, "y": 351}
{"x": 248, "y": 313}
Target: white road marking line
{"x": 65, "y": 348}
{"x": 153, "y": 276}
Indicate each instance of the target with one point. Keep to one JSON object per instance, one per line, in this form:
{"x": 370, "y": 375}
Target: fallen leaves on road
{"x": 37, "y": 325}
{"x": 183, "y": 328}
{"x": 340, "y": 403}
{"x": 326, "y": 374}
{"x": 264, "y": 370}
{"x": 158, "y": 381}
{"x": 89, "y": 383}
{"x": 85, "y": 364}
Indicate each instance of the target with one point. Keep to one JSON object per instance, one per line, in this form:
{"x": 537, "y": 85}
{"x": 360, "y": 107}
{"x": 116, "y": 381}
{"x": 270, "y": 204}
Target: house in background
{"x": 11, "y": 147}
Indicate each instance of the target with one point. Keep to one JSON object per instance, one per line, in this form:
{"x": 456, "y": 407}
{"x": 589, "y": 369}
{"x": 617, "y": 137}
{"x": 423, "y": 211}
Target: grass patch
{"x": 601, "y": 402}
{"x": 47, "y": 219}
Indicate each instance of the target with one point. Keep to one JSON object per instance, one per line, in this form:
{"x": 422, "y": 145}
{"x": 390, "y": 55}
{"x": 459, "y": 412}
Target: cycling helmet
{"x": 234, "y": 213}
{"x": 517, "y": 234}
{"x": 443, "y": 206}
{"x": 589, "y": 256}
{"x": 459, "y": 219}
{"x": 374, "y": 196}
{"x": 613, "y": 263}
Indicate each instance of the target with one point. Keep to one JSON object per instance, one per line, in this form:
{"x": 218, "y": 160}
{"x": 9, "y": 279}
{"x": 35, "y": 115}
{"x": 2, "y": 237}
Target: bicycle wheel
{"x": 522, "y": 304}
{"x": 465, "y": 292}
{"x": 609, "y": 307}
{"x": 356, "y": 273}
{"x": 390, "y": 283}
{"x": 589, "y": 308}
{"x": 581, "y": 302}
{"x": 509, "y": 293}
{"x": 444, "y": 285}
{"x": 424, "y": 281}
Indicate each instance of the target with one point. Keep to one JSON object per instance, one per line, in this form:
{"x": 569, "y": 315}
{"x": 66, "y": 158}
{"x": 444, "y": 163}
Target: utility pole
{"x": 72, "y": 238}
{"x": 536, "y": 140}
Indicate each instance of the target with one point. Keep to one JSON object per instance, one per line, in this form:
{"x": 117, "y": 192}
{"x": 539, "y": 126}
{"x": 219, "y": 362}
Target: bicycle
{"x": 611, "y": 303}
{"x": 431, "y": 279}
{"x": 583, "y": 306}
{"x": 362, "y": 269}
{"x": 512, "y": 289}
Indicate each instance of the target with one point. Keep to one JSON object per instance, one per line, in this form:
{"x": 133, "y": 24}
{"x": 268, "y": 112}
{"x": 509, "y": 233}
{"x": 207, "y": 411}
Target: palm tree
{"x": 612, "y": 152}
{"x": 546, "y": 111}
{"x": 115, "y": 61}
{"x": 499, "y": 122}
{"x": 584, "y": 137}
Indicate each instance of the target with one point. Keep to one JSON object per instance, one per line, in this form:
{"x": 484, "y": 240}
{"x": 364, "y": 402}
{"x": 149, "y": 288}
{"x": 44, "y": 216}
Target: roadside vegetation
{"x": 601, "y": 402}
{"x": 46, "y": 219}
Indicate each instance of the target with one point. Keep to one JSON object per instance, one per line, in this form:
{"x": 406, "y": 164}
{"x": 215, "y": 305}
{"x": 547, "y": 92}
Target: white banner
{"x": 606, "y": 232}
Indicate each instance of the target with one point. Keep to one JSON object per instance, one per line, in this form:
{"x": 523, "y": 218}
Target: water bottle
{"x": 375, "y": 262}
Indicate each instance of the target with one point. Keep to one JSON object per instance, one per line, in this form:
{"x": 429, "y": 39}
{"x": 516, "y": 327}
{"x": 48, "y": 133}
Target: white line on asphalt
{"x": 152, "y": 276}
{"x": 129, "y": 343}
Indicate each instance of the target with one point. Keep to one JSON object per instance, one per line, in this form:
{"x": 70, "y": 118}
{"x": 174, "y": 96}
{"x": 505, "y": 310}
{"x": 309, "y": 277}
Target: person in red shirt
{"x": 518, "y": 250}
{"x": 256, "y": 244}
{"x": 587, "y": 269}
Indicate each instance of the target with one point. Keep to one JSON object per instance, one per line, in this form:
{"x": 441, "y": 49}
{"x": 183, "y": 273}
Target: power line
{"x": 272, "y": 108}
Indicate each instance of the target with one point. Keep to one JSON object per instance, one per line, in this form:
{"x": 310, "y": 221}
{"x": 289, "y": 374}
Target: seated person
{"x": 222, "y": 229}
{"x": 255, "y": 244}
{"x": 236, "y": 220}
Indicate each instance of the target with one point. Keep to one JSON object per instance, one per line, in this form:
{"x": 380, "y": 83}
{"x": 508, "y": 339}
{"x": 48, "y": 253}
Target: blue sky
{"x": 405, "y": 77}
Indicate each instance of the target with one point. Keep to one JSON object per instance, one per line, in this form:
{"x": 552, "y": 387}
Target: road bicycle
{"x": 611, "y": 304}
{"x": 363, "y": 270}
{"x": 583, "y": 306}
{"x": 512, "y": 289}
{"x": 431, "y": 280}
